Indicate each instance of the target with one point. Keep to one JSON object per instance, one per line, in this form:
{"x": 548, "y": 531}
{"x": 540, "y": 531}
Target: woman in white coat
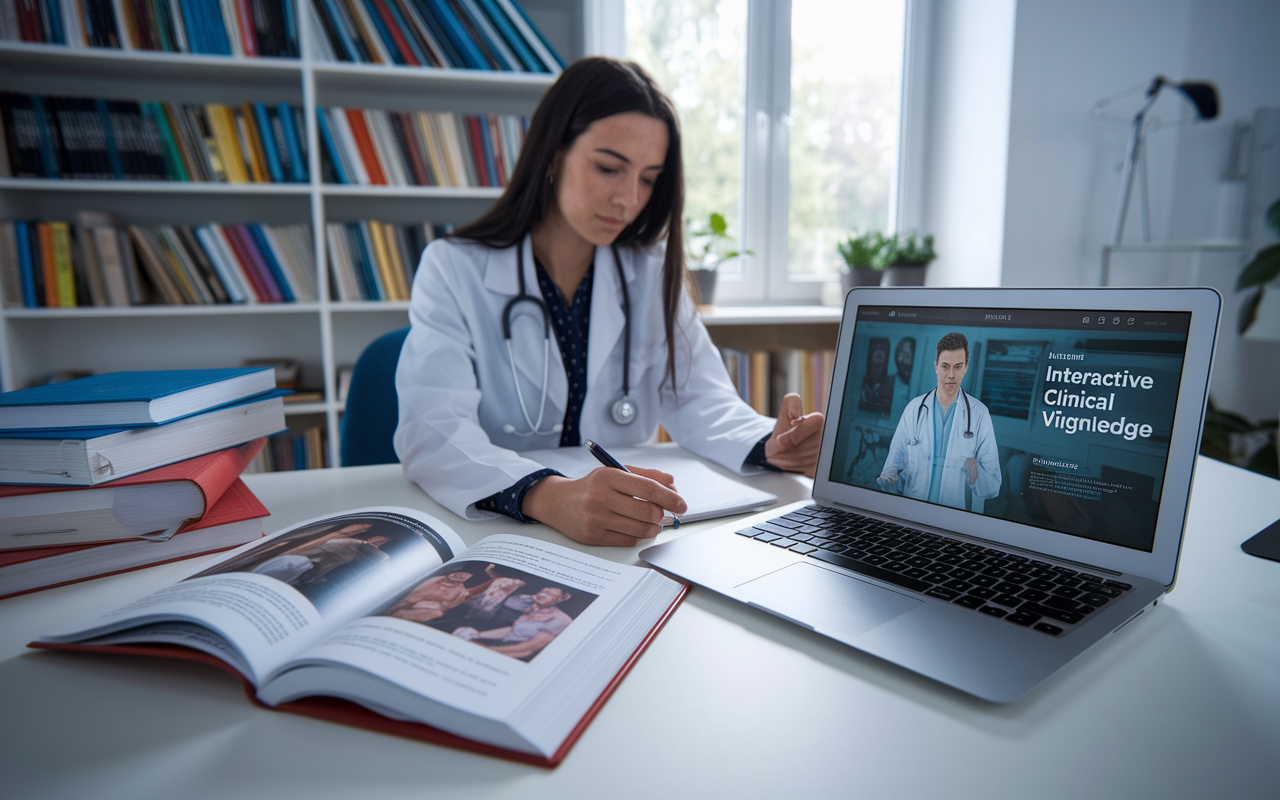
{"x": 561, "y": 315}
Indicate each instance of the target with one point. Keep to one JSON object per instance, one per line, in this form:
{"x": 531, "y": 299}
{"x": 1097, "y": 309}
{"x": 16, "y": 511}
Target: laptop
{"x": 1002, "y": 484}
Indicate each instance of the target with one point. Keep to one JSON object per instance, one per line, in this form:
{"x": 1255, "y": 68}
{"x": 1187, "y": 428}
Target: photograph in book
{"x": 327, "y": 560}
{"x": 509, "y": 611}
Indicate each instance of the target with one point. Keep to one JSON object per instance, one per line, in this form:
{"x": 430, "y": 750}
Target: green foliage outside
{"x": 1263, "y": 269}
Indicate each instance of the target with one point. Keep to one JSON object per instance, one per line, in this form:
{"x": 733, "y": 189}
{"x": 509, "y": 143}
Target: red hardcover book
{"x": 248, "y": 35}
{"x": 397, "y": 36}
{"x": 150, "y": 505}
{"x": 364, "y": 143}
{"x": 477, "y": 150}
{"x": 537, "y": 635}
{"x": 246, "y": 267}
{"x": 232, "y": 521}
{"x": 499, "y": 154}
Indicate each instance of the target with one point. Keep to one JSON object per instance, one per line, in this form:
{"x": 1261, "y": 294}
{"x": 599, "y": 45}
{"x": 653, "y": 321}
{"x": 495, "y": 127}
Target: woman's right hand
{"x": 607, "y": 506}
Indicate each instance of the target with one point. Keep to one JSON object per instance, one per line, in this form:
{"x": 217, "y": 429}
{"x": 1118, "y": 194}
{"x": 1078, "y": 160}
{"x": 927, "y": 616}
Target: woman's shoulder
{"x": 450, "y": 255}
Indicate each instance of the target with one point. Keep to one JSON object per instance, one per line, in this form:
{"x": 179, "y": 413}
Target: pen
{"x": 603, "y": 457}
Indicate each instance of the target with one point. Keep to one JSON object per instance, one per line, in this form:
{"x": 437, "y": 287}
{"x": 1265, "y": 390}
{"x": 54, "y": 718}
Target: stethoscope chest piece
{"x": 623, "y": 410}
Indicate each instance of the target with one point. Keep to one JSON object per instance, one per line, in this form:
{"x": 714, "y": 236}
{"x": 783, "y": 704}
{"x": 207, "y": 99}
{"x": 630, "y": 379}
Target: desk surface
{"x": 727, "y": 702}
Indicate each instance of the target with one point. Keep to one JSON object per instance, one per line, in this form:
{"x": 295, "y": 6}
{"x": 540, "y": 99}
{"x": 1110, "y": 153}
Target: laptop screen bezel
{"x": 1204, "y": 305}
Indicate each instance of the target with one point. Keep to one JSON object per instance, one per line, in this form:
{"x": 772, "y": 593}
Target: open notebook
{"x": 708, "y": 493}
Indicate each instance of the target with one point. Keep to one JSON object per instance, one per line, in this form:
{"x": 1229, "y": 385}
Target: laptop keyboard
{"x": 1036, "y": 594}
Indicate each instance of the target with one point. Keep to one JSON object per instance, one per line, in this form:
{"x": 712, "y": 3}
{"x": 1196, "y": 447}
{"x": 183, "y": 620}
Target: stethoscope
{"x": 623, "y": 410}
{"x": 924, "y": 403}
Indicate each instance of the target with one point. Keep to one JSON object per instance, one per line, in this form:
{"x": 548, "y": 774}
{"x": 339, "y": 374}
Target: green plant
{"x": 1263, "y": 269}
{"x": 864, "y": 251}
{"x": 910, "y": 250}
{"x": 710, "y": 245}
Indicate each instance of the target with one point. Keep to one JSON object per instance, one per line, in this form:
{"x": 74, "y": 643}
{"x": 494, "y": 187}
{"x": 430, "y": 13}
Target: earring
{"x": 551, "y": 179}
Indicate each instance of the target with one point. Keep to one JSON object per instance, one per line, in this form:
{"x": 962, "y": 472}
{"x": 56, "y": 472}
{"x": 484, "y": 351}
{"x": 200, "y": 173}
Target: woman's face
{"x": 605, "y": 178}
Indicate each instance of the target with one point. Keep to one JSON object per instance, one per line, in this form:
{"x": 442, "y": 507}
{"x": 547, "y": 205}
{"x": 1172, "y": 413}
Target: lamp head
{"x": 1201, "y": 94}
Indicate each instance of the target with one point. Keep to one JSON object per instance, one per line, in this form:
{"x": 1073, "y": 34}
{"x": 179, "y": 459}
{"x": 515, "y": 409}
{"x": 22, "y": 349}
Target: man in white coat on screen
{"x": 944, "y": 449}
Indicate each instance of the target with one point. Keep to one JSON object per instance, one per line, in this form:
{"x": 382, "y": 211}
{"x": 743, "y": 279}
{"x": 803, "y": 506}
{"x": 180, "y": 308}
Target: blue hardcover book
{"x": 25, "y": 266}
{"x": 407, "y": 33}
{"x": 483, "y": 34}
{"x": 486, "y": 143}
{"x": 290, "y": 30}
{"x": 340, "y": 28}
{"x": 192, "y": 25}
{"x": 91, "y": 456}
{"x": 217, "y": 28}
{"x": 130, "y": 399}
{"x": 326, "y": 140}
{"x": 436, "y": 28}
{"x": 293, "y": 141}
{"x": 48, "y": 139}
{"x": 513, "y": 5}
{"x": 269, "y": 258}
{"x": 368, "y": 269}
{"x": 471, "y": 55}
{"x": 268, "y": 142}
{"x": 109, "y": 131}
{"x": 382, "y": 31}
{"x": 56, "y": 34}
{"x": 514, "y": 40}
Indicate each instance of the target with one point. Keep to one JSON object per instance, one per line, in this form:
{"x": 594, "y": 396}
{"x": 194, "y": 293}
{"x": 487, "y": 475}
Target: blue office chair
{"x": 372, "y": 412}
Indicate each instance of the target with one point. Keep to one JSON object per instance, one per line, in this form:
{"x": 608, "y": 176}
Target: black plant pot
{"x": 904, "y": 275}
{"x": 860, "y": 276}
{"x": 706, "y": 281}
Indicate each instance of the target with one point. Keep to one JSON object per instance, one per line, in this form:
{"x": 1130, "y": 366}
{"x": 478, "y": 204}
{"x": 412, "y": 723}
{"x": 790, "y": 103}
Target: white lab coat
{"x": 911, "y": 453}
{"x": 455, "y": 386}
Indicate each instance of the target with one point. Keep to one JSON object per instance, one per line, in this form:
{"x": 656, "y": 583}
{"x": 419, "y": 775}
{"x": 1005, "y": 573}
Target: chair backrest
{"x": 372, "y": 413}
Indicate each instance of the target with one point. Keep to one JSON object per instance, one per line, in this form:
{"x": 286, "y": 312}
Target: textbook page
{"x": 708, "y": 493}
{"x": 481, "y": 635}
{"x": 266, "y": 602}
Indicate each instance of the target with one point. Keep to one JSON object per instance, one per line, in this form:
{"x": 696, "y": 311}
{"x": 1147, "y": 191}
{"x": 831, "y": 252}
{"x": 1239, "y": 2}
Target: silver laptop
{"x": 1003, "y": 480}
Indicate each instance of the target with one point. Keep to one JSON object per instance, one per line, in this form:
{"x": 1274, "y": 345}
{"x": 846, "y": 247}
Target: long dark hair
{"x": 589, "y": 90}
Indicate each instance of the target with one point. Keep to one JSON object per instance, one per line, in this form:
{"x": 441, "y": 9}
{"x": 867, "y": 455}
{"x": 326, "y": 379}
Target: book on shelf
{"x": 465, "y": 34}
{"x": 762, "y": 377}
{"x": 91, "y": 456}
{"x": 382, "y": 618}
{"x": 236, "y": 518}
{"x": 199, "y": 27}
{"x": 372, "y": 147}
{"x": 301, "y": 447}
{"x": 121, "y": 265}
{"x": 373, "y": 260}
{"x": 150, "y": 506}
{"x": 130, "y": 399}
{"x": 79, "y": 138}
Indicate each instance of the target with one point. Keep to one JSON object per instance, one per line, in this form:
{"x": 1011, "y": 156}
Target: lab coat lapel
{"x": 607, "y": 318}
{"x": 527, "y": 329}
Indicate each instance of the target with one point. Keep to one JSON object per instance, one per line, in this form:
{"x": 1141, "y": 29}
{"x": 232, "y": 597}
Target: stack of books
{"x": 125, "y": 470}
{"x": 100, "y": 261}
{"x": 88, "y": 138}
{"x": 207, "y": 27}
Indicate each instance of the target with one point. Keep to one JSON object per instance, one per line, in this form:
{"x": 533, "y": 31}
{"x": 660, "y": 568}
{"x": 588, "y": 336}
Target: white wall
{"x": 955, "y": 136}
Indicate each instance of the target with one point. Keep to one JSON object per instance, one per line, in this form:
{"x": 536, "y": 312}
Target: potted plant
{"x": 710, "y": 245}
{"x": 864, "y": 259}
{"x": 1263, "y": 269}
{"x": 908, "y": 255}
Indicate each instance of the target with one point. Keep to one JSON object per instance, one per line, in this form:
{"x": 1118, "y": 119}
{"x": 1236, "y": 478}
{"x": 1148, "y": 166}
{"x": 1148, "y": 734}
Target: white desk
{"x": 727, "y": 702}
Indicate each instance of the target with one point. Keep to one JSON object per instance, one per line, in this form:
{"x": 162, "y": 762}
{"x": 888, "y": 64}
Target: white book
{"x": 72, "y": 24}
{"x": 373, "y": 40}
{"x": 531, "y": 36}
{"x": 226, "y": 264}
{"x": 232, "y": 24}
{"x": 301, "y": 281}
{"x": 384, "y": 144}
{"x": 179, "y": 28}
{"x": 122, "y": 28}
{"x": 340, "y": 263}
{"x": 346, "y": 143}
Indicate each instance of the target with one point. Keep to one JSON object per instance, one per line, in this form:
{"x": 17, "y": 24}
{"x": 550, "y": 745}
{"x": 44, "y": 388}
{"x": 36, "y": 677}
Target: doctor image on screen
{"x": 944, "y": 449}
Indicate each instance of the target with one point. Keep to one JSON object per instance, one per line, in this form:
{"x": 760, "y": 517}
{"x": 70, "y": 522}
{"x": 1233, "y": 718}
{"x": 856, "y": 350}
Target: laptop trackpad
{"x": 827, "y": 600}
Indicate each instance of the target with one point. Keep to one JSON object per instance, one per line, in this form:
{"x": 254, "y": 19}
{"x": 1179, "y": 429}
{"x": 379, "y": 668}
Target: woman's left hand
{"x": 796, "y": 438}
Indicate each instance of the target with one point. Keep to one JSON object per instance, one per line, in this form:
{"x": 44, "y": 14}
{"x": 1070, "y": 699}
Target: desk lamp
{"x": 1202, "y": 95}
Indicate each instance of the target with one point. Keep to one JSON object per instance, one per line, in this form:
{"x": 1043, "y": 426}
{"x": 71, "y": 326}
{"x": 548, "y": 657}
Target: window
{"x": 790, "y": 114}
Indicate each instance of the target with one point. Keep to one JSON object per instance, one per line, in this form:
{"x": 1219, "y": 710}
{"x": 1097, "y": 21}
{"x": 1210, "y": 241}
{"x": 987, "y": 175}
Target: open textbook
{"x": 708, "y": 493}
{"x": 513, "y": 643}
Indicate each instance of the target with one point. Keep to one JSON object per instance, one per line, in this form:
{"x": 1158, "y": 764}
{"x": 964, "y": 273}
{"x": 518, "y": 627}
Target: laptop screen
{"x": 1059, "y": 419}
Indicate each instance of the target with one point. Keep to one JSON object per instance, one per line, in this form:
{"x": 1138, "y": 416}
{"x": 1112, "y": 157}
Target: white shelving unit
{"x": 322, "y": 336}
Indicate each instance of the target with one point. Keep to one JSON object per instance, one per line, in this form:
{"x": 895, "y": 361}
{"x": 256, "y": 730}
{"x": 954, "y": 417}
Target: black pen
{"x": 603, "y": 457}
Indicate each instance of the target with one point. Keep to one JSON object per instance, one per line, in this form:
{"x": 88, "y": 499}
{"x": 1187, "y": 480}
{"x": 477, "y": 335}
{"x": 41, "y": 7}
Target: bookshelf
{"x": 322, "y": 336}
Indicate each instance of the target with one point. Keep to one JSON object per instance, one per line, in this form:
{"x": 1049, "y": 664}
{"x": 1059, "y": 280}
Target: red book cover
{"x": 254, "y": 267}
{"x": 416, "y": 158}
{"x": 237, "y": 504}
{"x": 397, "y": 36}
{"x": 211, "y": 474}
{"x": 346, "y": 712}
{"x": 244, "y": 18}
{"x": 477, "y": 150}
{"x": 246, "y": 266}
{"x": 364, "y": 143}
{"x": 499, "y": 159}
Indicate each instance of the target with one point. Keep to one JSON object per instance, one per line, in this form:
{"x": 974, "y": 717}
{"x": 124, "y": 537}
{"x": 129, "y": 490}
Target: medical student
{"x": 944, "y": 446}
{"x": 561, "y": 315}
